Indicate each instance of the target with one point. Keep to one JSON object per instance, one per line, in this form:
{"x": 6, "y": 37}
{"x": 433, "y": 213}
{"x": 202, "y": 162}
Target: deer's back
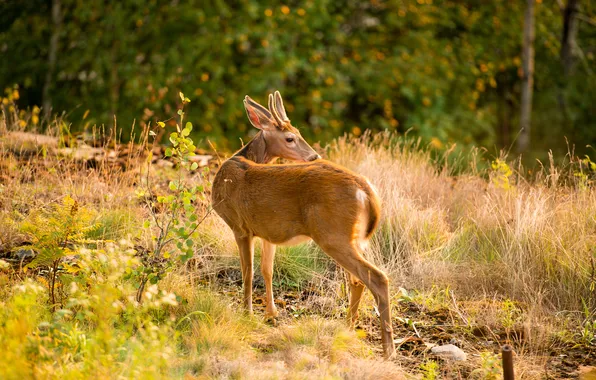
{"x": 278, "y": 202}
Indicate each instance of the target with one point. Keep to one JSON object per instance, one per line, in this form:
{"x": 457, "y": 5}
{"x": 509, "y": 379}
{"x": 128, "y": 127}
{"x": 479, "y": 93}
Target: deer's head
{"x": 281, "y": 138}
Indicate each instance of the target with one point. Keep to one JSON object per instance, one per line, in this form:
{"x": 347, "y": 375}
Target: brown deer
{"x": 291, "y": 203}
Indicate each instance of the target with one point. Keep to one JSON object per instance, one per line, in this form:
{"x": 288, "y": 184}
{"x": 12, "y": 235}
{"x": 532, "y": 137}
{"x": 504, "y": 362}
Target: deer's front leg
{"x": 245, "y": 248}
{"x": 267, "y": 257}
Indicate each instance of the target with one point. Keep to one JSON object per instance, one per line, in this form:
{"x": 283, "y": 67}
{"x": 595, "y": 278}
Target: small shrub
{"x": 54, "y": 233}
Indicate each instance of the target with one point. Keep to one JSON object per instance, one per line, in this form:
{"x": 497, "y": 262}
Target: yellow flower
{"x": 436, "y": 143}
{"x": 22, "y": 123}
{"x": 426, "y": 101}
{"x": 15, "y": 94}
{"x": 301, "y": 12}
{"x": 356, "y": 130}
{"x": 480, "y": 85}
{"x": 268, "y": 12}
{"x": 35, "y": 119}
{"x": 329, "y": 81}
{"x": 285, "y": 9}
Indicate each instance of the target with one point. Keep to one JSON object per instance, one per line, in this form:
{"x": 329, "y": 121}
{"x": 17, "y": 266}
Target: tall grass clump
{"x": 493, "y": 230}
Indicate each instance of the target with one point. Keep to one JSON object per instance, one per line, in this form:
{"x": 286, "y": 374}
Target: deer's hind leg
{"x": 347, "y": 255}
{"x": 356, "y": 289}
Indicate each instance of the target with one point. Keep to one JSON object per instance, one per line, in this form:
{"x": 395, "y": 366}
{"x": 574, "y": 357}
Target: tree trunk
{"x": 569, "y": 33}
{"x": 53, "y": 53}
{"x": 523, "y": 142}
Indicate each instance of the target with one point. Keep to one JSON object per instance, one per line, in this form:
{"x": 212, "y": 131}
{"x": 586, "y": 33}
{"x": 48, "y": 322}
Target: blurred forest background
{"x": 448, "y": 71}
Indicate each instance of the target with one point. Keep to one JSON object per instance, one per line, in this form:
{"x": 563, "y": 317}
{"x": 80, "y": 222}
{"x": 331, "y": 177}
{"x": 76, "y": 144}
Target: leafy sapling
{"x": 177, "y": 221}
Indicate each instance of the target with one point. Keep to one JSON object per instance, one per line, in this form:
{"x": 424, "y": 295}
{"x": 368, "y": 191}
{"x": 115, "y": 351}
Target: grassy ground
{"x": 477, "y": 257}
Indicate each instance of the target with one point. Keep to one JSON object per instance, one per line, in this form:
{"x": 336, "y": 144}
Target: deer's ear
{"x": 279, "y": 107}
{"x": 258, "y": 115}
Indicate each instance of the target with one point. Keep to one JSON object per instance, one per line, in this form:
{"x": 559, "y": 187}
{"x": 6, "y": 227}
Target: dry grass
{"x": 533, "y": 241}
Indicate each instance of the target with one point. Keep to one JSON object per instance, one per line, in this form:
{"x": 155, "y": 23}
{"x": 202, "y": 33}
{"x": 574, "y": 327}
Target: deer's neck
{"x": 256, "y": 150}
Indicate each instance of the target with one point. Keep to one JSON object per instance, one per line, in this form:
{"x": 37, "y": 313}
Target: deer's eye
{"x": 289, "y": 139}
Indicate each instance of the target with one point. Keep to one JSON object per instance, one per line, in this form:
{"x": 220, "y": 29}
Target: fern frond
{"x": 46, "y": 257}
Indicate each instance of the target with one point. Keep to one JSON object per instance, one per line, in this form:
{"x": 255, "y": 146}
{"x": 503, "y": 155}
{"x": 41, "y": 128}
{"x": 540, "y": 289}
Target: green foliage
{"x": 444, "y": 69}
{"x": 501, "y": 174}
{"x": 587, "y": 334}
{"x": 509, "y": 315}
{"x": 586, "y": 172}
{"x": 55, "y": 229}
{"x": 295, "y": 265}
{"x": 430, "y": 370}
{"x": 100, "y": 331}
{"x": 490, "y": 367}
{"x": 178, "y": 222}
{"x": 54, "y": 232}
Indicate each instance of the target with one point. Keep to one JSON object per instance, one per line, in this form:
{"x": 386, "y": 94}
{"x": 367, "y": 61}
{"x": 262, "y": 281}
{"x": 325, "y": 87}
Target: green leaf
{"x": 189, "y": 243}
{"x": 146, "y": 224}
{"x": 180, "y": 112}
{"x": 161, "y": 124}
{"x": 181, "y": 96}
{"x": 168, "y": 152}
{"x": 194, "y": 166}
{"x": 173, "y": 186}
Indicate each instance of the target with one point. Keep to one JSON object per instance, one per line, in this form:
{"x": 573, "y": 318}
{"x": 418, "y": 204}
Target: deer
{"x": 287, "y": 204}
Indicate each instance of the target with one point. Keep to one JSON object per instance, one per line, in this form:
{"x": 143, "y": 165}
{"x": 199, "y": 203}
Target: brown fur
{"x": 279, "y": 202}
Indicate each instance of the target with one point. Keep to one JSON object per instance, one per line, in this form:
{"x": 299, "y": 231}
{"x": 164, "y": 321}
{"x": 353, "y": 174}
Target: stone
{"x": 449, "y": 352}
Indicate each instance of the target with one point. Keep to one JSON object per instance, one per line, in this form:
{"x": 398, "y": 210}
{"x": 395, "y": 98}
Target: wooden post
{"x": 507, "y": 356}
